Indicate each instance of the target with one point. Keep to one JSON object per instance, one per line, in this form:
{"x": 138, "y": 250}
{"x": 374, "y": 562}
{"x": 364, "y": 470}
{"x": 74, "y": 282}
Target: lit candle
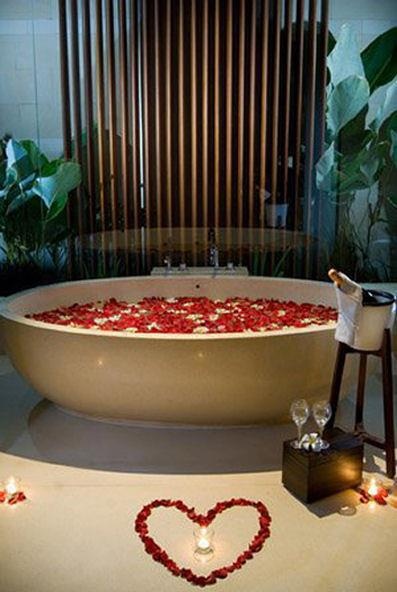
{"x": 204, "y": 549}
{"x": 203, "y": 542}
{"x": 373, "y": 489}
{"x": 11, "y": 486}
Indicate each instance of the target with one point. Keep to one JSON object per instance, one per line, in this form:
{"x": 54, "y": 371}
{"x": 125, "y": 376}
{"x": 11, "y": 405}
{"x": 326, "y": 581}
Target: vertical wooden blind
{"x": 189, "y": 113}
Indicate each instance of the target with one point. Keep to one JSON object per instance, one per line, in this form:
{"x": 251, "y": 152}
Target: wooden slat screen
{"x": 188, "y": 113}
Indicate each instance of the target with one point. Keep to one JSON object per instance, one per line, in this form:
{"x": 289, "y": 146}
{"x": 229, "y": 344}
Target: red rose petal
{"x": 189, "y": 314}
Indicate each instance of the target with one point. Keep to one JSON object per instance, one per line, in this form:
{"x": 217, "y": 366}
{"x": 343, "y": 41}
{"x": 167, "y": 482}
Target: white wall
{"x": 369, "y": 18}
{"x": 29, "y": 71}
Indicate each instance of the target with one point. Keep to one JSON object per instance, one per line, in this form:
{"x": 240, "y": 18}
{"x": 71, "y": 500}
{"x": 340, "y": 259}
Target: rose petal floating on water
{"x": 190, "y": 315}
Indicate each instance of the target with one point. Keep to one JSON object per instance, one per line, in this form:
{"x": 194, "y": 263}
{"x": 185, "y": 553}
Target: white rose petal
{"x": 100, "y": 321}
{"x": 200, "y": 330}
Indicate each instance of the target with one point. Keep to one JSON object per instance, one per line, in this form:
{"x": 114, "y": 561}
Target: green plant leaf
{"x": 3, "y": 169}
{"x": 352, "y": 183}
{"x": 331, "y": 42}
{"x": 354, "y": 136}
{"x": 380, "y": 59}
{"x": 393, "y": 147}
{"x": 66, "y": 178}
{"x": 392, "y": 199}
{"x": 345, "y": 59}
{"x": 37, "y": 158}
{"x": 387, "y": 126}
{"x": 387, "y": 108}
{"x": 346, "y": 101}
{"x": 370, "y": 169}
{"x": 57, "y": 206}
{"x": 55, "y": 233}
{"x": 18, "y": 161}
{"x": 325, "y": 170}
{"x": 20, "y": 200}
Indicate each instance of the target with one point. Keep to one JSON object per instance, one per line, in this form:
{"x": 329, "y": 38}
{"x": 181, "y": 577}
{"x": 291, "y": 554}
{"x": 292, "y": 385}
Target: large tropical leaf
{"x": 57, "y": 206}
{"x": 387, "y": 108}
{"x": 393, "y": 148}
{"x": 19, "y": 200}
{"x": 352, "y": 183}
{"x": 389, "y": 125}
{"x": 3, "y": 169}
{"x": 37, "y": 158}
{"x": 325, "y": 170}
{"x": 380, "y": 59}
{"x": 54, "y": 187}
{"x": 331, "y": 42}
{"x": 19, "y": 165}
{"x": 345, "y": 59}
{"x": 346, "y": 101}
{"x": 354, "y": 136}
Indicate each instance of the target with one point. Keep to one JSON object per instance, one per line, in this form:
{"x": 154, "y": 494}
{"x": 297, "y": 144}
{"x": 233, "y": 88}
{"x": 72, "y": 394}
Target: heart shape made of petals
{"x": 160, "y": 555}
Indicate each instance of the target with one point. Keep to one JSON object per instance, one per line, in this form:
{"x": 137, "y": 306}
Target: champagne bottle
{"x": 348, "y": 286}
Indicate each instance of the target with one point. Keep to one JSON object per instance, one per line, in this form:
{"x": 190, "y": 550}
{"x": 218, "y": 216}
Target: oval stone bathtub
{"x": 206, "y": 379}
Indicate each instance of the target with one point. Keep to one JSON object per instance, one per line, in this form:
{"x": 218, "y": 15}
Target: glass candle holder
{"x": 373, "y": 487}
{"x": 204, "y": 547}
{"x": 12, "y": 485}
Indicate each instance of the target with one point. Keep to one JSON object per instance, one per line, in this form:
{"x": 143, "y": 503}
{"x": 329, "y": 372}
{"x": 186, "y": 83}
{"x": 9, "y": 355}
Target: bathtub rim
{"x": 7, "y": 314}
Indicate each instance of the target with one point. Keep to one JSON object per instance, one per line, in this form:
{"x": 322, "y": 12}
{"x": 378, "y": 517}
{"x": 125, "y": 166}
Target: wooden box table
{"x": 311, "y": 476}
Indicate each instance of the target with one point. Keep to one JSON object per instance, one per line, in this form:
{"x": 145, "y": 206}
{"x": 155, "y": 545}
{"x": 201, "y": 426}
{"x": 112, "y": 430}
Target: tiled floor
{"x": 86, "y": 481}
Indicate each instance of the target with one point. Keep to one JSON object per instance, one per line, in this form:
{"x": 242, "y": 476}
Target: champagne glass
{"x": 322, "y": 413}
{"x": 300, "y": 413}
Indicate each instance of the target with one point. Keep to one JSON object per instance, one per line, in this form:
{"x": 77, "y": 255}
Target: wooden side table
{"x": 385, "y": 353}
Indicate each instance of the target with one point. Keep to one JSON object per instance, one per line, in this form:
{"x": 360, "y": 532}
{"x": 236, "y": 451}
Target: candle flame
{"x": 373, "y": 488}
{"x": 203, "y": 543}
{"x": 11, "y": 486}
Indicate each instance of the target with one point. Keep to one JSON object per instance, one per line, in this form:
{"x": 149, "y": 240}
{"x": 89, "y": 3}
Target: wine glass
{"x": 322, "y": 413}
{"x": 300, "y": 413}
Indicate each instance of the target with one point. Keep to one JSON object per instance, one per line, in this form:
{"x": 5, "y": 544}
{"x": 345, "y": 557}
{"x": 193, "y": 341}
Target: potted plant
{"x": 360, "y": 157}
{"x": 34, "y": 192}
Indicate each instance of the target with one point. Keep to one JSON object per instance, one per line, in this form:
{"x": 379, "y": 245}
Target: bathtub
{"x": 201, "y": 379}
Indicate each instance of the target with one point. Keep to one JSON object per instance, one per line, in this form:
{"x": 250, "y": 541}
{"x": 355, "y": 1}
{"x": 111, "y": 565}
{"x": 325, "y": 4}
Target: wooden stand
{"x": 385, "y": 353}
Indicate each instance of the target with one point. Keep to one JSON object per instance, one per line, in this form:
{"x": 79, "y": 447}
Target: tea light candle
{"x": 204, "y": 548}
{"x": 373, "y": 488}
{"x": 203, "y": 543}
{"x": 11, "y": 485}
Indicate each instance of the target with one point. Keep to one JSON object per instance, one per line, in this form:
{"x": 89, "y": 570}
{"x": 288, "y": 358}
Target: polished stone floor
{"x": 85, "y": 482}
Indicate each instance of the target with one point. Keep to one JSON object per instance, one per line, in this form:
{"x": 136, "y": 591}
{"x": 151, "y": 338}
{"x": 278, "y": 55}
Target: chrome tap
{"x": 168, "y": 264}
{"x": 214, "y": 256}
{"x": 214, "y": 252}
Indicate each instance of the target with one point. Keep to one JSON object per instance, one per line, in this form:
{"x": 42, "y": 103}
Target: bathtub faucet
{"x": 168, "y": 264}
{"x": 214, "y": 256}
{"x": 213, "y": 252}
